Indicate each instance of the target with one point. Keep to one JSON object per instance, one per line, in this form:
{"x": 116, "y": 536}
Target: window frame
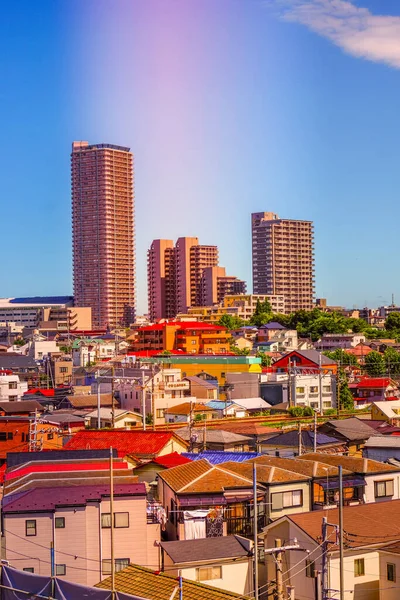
{"x": 26, "y": 527}
{"x": 29, "y": 569}
{"x": 62, "y": 519}
{"x": 211, "y": 568}
{"x": 359, "y": 572}
{"x": 62, "y": 567}
{"x": 310, "y": 568}
{"x": 282, "y": 495}
{"x": 384, "y": 482}
{"x": 108, "y": 515}
{"x": 117, "y": 563}
{"x": 393, "y": 567}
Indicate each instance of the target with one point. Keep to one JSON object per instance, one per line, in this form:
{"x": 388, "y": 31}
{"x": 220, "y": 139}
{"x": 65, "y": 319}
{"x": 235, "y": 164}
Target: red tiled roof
{"x": 137, "y": 443}
{"x": 171, "y": 460}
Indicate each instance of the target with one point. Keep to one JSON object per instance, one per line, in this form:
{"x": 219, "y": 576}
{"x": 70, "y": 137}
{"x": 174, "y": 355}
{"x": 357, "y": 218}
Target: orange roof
{"x": 265, "y": 473}
{"x": 353, "y": 463}
{"x": 186, "y": 407}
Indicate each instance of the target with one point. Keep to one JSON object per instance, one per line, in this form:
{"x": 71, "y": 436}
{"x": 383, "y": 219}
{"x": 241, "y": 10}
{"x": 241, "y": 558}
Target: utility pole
{"x": 338, "y": 390}
{"x": 143, "y": 402}
{"x": 98, "y": 400}
{"x": 299, "y": 438}
{"x": 341, "y": 545}
{"x": 190, "y": 426}
{"x": 315, "y": 431}
{"x": 112, "y": 525}
{"x": 324, "y": 574}
{"x": 279, "y": 573}
{"x": 255, "y": 528}
{"x": 205, "y": 434}
{"x": 112, "y": 399}
{"x": 321, "y": 405}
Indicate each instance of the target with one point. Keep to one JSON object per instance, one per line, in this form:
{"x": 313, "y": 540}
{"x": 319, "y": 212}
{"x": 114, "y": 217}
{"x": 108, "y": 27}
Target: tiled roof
{"x": 215, "y": 436}
{"x": 90, "y": 400}
{"x": 137, "y": 443}
{"x": 351, "y": 429}
{"x": 174, "y": 459}
{"x": 216, "y": 457}
{"x": 291, "y": 439}
{"x": 252, "y": 429}
{"x": 309, "y": 468}
{"x": 51, "y": 497}
{"x": 64, "y": 467}
{"x": 199, "y": 381}
{"x": 145, "y": 583}
{"x": 364, "y": 524}
{"x": 265, "y": 473}
{"x": 201, "y": 550}
{"x": 14, "y": 459}
{"x": 375, "y": 382}
{"x": 352, "y": 463}
{"x": 22, "y": 406}
{"x": 201, "y": 477}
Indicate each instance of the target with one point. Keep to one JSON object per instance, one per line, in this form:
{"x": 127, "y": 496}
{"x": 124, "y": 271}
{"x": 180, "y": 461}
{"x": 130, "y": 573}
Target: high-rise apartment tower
{"x": 103, "y": 232}
{"x": 283, "y": 259}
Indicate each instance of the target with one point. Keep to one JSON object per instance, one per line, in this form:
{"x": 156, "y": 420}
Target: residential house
{"x": 76, "y": 521}
{"x": 253, "y": 405}
{"x": 352, "y": 432}
{"x": 382, "y": 448}
{"x": 223, "y": 562}
{"x": 300, "y": 388}
{"x": 255, "y": 432}
{"x": 382, "y": 482}
{"x": 324, "y": 481}
{"x": 153, "y": 585}
{"x": 305, "y": 361}
{"x": 202, "y": 389}
{"x": 373, "y": 389}
{"x": 87, "y": 351}
{"x": 189, "y": 411}
{"x": 24, "y": 366}
{"x": 243, "y": 385}
{"x": 40, "y": 348}
{"x": 11, "y": 387}
{"x": 228, "y": 409}
{"x": 243, "y": 343}
{"x": 360, "y": 351}
{"x": 369, "y": 532}
{"x": 60, "y": 367}
{"x": 216, "y": 457}
{"x": 204, "y": 500}
{"x": 132, "y": 444}
{"x": 286, "y": 339}
{"x": 155, "y": 391}
{"x": 333, "y": 341}
{"x": 388, "y": 411}
{"x": 119, "y": 418}
{"x": 293, "y": 443}
{"x": 87, "y": 402}
{"x": 21, "y": 433}
{"x": 23, "y": 408}
{"x": 203, "y": 437}
{"x": 147, "y": 470}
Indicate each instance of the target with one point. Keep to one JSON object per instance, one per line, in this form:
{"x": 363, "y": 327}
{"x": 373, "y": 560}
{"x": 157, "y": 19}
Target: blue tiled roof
{"x": 216, "y": 457}
{"x": 219, "y": 404}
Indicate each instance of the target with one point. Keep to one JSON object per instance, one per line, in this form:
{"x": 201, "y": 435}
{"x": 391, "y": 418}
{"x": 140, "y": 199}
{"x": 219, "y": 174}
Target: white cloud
{"x": 354, "y": 29}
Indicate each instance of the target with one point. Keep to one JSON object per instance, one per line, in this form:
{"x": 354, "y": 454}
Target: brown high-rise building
{"x": 103, "y": 232}
{"x": 174, "y": 275}
{"x": 283, "y": 259}
{"x": 216, "y": 284}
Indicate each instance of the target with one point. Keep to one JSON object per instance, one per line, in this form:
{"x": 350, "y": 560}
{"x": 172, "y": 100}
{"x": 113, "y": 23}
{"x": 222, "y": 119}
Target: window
{"x": 238, "y": 448}
{"x": 120, "y": 520}
{"x": 120, "y": 563}
{"x": 29, "y": 570}
{"x": 326, "y": 389}
{"x": 300, "y": 390}
{"x": 310, "y": 568}
{"x": 282, "y": 500}
{"x": 208, "y": 573}
{"x": 63, "y": 369}
{"x": 160, "y": 413}
{"x": 12, "y": 385}
{"x": 61, "y": 569}
{"x": 30, "y": 527}
{"x": 313, "y": 389}
{"x": 384, "y": 489}
{"x": 50, "y": 436}
{"x": 391, "y": 571}
{"x": 359, "y": 567}
{"x": 223, "y": 375}
{"x": 12, "y": 398}
{"x": 60, "y": 522}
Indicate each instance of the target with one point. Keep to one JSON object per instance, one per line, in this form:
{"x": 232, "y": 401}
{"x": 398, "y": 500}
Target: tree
{"x": 265, "y": 359}
{"x": 342, "y": 357}
{"x": 346, "y": 400}
{"x": 231, "y": 322}
{"x": 393, "y": 321}
{"x": 392, "y": 361}
{"x": 262, "y": 314}
{"x": 375, "y": 364}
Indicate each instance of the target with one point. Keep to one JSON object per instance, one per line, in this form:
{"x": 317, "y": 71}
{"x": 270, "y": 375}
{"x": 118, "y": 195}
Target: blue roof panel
{"x": 216, "y": 457}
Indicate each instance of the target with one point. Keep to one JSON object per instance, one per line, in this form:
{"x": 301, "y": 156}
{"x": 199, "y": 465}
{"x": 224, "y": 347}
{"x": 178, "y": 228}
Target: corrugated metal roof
{"x": 216, "y": 457}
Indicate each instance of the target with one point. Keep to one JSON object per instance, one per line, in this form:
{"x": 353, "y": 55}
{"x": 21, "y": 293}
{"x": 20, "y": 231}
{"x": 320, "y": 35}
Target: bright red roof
{"x": 171, "y": 460}
{"x": 375, "y": 382}
{"x": 125, "y": 442}
{"x": 45, "y": 392}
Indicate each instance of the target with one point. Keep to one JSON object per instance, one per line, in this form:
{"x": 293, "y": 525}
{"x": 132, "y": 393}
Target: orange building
{"x": 20, "y": 434}
{"x": 190, "y": 337}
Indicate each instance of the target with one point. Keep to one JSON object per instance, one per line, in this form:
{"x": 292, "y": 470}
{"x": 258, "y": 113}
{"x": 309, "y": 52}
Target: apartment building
{"x": 283, "y": 259}
{"x": 216, "y": 284}
{"x": 70, "y": 318}
{"x": 103, "y": 232}
{"x": 28, "y": 312}
{"x": 189, "y": 337}
{"x": 11, "y": 388}
{"x": 161, "y": 280}
{"x": 246, "y": 303}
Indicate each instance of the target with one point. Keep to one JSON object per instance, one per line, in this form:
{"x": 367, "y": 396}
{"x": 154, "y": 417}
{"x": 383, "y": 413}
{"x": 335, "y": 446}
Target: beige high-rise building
{"x": 174, "y": 275}
{"x": 103, "y": 232}
{"x": 216, "y": 284}
{"x": 283, "y": 259}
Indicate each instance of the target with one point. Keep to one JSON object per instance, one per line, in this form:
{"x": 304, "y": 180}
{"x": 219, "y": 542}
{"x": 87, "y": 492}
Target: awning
{"x": 333, "y": 483}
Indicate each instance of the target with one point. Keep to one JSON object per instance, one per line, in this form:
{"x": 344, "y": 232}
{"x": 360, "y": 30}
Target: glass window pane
{"x": 389, "y": 488}
{"x": 106, "y": 520}
{"x": 276, "y": 500}
{"x": 297, "y": 498}
{"x": 121, "y": 519}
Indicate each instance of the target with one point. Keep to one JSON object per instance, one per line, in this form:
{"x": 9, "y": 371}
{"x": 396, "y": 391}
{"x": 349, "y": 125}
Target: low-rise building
{"x": 11, "y": 387}
{"x": 382, "y": 448}
{"x": 352, "y": 432}
{"x": 201, "y": 438}
{"x": 189, "y": 337}
{"x": 373, "y": 389}
{"x": 388, "y": 411}
{"x": 189, "y": 411}
{"x": 119, "y": 418}
{"x": 298, "y": 388}
{"x": 306, "y": 361}
{"x": 332, "y": 341}
{"x": 284, "y": 339}
{"x": 293, "y": 443}
{"x": 202, "y": 388}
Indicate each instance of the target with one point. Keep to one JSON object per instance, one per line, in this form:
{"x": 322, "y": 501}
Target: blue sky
{"x": 229, "y": 107}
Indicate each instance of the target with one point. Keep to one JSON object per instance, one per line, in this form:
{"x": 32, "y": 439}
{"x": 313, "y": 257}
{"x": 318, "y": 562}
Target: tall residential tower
{"x": 283, "y": 259}
{"x": 103, "y": 232}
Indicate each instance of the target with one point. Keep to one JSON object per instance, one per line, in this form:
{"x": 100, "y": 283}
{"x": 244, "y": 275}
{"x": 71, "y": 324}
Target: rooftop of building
{"x": 207, "y": 549}
{"x": 186, "y": 408}
{"x": 375, "y": 382}
{"x": 215, "y": 436}
{"x": 126, "y": 442}
{"x": 264, "y": 473}
{"x": 21, "y": 406}
{"x": 144, "y": 583}
{"x": 192, "y": 325}
{"x": 352, "y": 463}
{"x": 291, "y": 439}
{"x": 206, "y": 359}
{"x": 309, "y": 468}
{"x": 36, "y": 301}
{"x": 216, "y": 457}
{"x": 351, "y": 429}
